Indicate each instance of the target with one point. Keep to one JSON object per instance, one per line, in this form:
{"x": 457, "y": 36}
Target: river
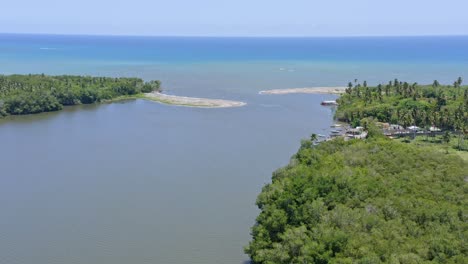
{"x": 142, "y": 182}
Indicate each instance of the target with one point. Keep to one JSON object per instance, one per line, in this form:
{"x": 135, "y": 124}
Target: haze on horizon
{"x": 236, "y": 18}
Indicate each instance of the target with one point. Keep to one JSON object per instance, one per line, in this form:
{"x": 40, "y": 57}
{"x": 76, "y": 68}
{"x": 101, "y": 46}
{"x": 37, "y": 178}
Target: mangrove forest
{"x": 364, "y": 201}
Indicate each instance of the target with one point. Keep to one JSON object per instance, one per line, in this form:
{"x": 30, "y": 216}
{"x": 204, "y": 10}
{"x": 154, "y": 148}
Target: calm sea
{"x": 239, "y": 66}
{"x": 141, "y": 182}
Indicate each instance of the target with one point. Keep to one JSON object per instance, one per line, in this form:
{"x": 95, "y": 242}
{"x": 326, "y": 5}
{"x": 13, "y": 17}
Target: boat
{"x": 329, "y": 103}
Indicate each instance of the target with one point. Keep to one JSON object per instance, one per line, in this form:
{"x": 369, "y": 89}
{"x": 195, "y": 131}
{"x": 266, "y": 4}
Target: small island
{"x": 31, "y": 94}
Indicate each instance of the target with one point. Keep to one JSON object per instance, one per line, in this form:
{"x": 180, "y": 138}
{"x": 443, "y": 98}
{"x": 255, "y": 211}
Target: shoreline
{"x": 308, "y": 90}
{"x": 191, "y": 101}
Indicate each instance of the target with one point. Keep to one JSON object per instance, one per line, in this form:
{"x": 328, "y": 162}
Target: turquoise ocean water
{"x": 239, "y": 66}
{"x": 142, "y": 182}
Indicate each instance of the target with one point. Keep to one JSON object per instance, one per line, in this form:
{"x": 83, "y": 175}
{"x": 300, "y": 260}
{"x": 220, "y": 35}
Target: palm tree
{"x": 350, "y": 88}
{"x": 407, "y": 119}
{"x": 433, "y": 117}
{"x": 313, "y": 137}
{"x": 387, "y": 90}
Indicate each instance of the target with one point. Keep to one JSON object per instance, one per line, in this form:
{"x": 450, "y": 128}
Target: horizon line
{"x": 234, "y": 36}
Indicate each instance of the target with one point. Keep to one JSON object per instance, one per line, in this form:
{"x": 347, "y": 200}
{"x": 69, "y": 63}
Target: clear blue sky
{"x": 236, "y": 17}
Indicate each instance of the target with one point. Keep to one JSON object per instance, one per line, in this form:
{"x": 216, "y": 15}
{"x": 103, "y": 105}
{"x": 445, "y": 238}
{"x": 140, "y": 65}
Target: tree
{"x": 28, "y": 94}
{"x": 350, "y": 87}
{"x": 313, "y": 137}
{"x": 151, "y": 87}
{"x": 379, "y": 92}
{"x": 408, "y": 119}
{"x": 362, "y": 201}
{"x": 446, "y": 139}
{"x": 387, "y": 90}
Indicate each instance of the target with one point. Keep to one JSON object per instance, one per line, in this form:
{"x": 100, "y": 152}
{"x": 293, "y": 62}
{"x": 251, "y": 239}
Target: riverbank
{"x": 309, "y": 90}
{"x": 191, "y": 101}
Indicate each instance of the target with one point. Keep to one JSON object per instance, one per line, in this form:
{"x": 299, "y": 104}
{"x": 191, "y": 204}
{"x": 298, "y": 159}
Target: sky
{"x": 236, "y": 17}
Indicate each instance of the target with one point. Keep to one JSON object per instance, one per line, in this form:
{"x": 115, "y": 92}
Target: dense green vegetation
{"x": 28, "y": 94}
{"x": 444, "y": 106}
{"x": 364, "y": 201}
{"x": 454, "y": 144}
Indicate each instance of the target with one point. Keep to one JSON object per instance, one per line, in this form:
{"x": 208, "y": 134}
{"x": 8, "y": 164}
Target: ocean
{"x": 239, "y": 66}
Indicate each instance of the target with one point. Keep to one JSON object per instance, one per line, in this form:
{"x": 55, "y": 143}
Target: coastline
{"x": 161, "y": 98}
{"x": 306, "y": 90}
{"x": 191, "y": 101}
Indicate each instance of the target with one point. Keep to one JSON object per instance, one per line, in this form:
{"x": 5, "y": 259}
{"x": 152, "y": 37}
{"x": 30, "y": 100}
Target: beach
{"x": 309, "y": 90}
{"x": 192, "y": 101}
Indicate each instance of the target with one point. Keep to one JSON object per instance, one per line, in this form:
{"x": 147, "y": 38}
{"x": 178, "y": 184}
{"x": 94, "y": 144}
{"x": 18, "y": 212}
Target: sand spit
{"x": 192, "y": 101}
{"x": 310, "y": 90}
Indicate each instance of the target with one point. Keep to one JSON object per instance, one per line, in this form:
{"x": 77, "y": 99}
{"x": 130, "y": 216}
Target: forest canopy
{"x": 407, "y": 104}
{"x": 364, "y": 201}
{"x": 29, "y": 94}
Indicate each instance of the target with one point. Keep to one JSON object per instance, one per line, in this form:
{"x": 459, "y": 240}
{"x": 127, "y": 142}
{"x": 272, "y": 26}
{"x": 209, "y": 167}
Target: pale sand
{"x": 310, "y": 90}
{"x": 192, "y": 101}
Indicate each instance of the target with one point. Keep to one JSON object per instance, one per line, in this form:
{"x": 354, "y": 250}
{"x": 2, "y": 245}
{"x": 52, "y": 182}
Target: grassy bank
{"x": 438, "y": 143}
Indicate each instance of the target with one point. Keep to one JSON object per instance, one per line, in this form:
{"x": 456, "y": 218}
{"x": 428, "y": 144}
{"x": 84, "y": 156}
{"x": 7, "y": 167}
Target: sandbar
{"x": 192, "y": 101}
{"x": 309, "y": 90}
